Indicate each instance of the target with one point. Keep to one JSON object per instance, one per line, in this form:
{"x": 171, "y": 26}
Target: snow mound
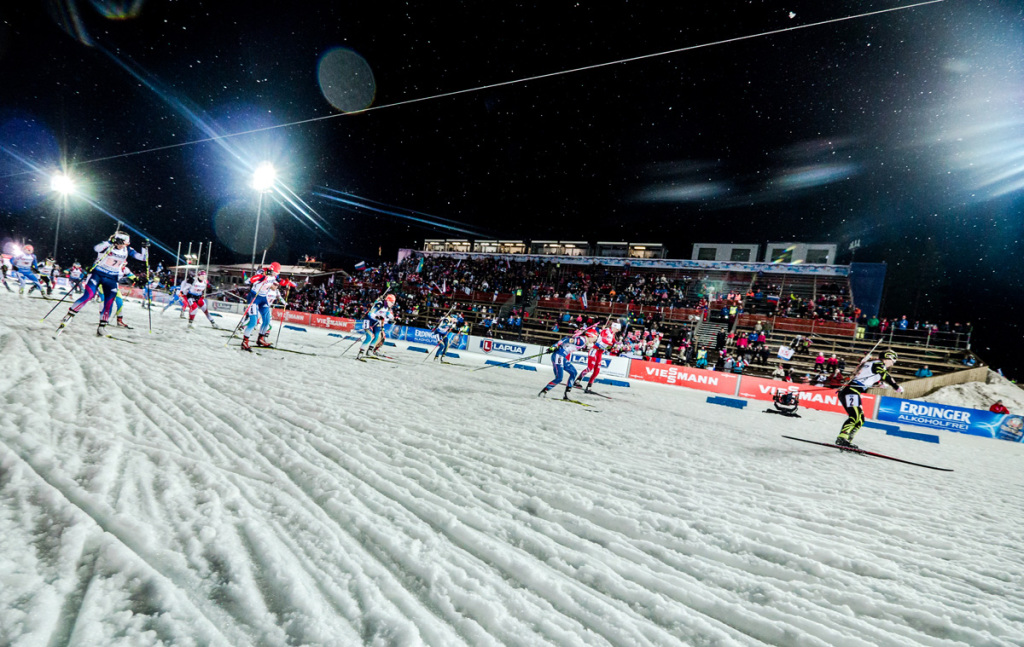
{"x": 980, "y": 395}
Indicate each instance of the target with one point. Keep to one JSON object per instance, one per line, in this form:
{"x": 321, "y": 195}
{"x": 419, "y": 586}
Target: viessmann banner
{"x": 1004, "y": 426}
{"x": 811, "y": 397}
{"x": 693, "y": 378}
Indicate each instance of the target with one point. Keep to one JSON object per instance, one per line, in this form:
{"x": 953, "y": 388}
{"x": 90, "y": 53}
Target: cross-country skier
{"x": 25, "y": 267}
{"x": 4, "y": 264}
{"x": 262, "y": 289}
{"x": 178, "y": 296}
{"x": 561, "y": 360}
{"x": 870, "y": 375}
{"x": 445, "y": 332}
{"x": 379, "y": 315}
{"x": 76, "y": 274}
{"x": 604, "y": 341}
{"x": 197, "y": 299}
{"x": 48, "y": 273}
{"x": 113, "y": 256}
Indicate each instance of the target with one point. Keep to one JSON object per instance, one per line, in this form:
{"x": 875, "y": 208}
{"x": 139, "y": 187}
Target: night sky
{"x": 903, "y": 129}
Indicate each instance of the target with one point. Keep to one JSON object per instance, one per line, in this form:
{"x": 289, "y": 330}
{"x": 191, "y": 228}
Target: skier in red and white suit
{"x": 603, "y": 341}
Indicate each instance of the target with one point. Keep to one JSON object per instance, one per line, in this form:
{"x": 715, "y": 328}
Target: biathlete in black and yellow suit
{"x": 869, "y": 375}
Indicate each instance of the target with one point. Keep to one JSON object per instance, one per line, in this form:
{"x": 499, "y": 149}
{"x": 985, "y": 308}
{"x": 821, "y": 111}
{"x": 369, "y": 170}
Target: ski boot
{"x": 565, "y": 396}
{"x": 181, "y": 315}
{"x": 214, "y": 324}
{"x": 191, "y": 324}
{"x": 262, "y": 342}
{"x": 245, "y": 344}
{"x": 359, "y": 356}
{"x": 543, "y": 392}
{"x": 122, "y": 324}
{"x": 844, "y": 443}
{"x": 102, "y": 329}
{"x": 65, "y": 321}
{"x": 587, "y": 390}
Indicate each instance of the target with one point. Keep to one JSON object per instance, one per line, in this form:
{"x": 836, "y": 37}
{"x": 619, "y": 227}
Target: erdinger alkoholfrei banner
{"x": 811, "y": 396}
{"x": 976, "y": 422}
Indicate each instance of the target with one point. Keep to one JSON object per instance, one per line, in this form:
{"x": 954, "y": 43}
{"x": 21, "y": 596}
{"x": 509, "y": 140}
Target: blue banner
{"x": 424, "y": 337}
{"x": 1004, "y": 426}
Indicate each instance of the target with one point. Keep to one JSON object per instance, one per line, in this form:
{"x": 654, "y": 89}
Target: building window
{"x": 782, "y": 255}
{"x": 740, "y": 255}
{"x": 817, "y": 256}
{"x": 706, "y": 254}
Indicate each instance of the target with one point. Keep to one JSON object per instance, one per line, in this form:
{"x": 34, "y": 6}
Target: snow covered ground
{"x": 178, "y": 492}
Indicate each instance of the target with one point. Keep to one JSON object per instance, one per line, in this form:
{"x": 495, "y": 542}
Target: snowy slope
{"x": 177, "y": 492}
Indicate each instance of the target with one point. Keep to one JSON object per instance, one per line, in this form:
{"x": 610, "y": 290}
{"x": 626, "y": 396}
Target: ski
{"x": 600, "y": 395}
{"x": 127, "y": 341}
{"x": 286, "y": 350}
{"x": 867, "y": 453}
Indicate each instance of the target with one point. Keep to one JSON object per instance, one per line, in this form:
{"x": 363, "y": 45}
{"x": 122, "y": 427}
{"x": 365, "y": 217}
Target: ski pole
{"x": 283, "y": 310}
{"x": 245, "y": 313}
{"x": 514, "y": 361}
{"x": 149, "y": 290}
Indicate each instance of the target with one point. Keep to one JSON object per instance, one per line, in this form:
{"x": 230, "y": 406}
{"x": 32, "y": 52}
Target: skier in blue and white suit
{"x": 377, "y": 316}
{"x": 445, "y": 331}
{"x": 561, "y": 361}
{"x": 24, "y": 264}
{"x": 113, "y": 256}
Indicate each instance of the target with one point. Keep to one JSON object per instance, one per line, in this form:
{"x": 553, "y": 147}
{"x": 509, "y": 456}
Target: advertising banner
{"x": 811, "y": 397}
{"x": 288, "y": 316}
{"x": 225, "y": 306}
{"x": 693, "y": 378}
{"x": 976, "y": 422}
{"x": 502, "y": 350}
{"x": 331, "y": 323}
{"x": 610, "y": 366}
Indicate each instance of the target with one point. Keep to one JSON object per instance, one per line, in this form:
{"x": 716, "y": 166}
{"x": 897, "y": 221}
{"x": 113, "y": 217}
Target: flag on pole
{"x": 419, "y": 268}
{"x": 361, "y": 265}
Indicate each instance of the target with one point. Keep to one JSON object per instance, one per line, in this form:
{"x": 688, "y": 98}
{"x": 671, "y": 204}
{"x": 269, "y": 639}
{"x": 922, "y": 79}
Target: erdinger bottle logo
{"x": 1012, "y": 428}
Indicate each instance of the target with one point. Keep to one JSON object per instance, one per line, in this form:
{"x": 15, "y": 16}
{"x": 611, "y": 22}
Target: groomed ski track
{"x": 179, "y": 492}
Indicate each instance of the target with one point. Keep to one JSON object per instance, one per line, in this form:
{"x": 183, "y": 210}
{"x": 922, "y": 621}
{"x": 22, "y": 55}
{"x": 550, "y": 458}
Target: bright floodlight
{"x": 62, "y": 184}
{"x": 264, "y": 177}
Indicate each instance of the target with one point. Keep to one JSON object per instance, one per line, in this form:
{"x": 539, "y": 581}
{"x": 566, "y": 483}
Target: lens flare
{"x": 234, "y": 222}
{"x": 346, "y": 80}
{"x": 118, "y": 9}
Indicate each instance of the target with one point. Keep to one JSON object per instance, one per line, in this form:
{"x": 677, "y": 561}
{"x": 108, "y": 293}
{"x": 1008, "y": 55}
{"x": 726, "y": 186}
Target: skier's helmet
{"x": 890, "y": 355}
{"x": 201, "y": 273}
{"x": 616, "y": 326}
{"x": 121, "y": 238}
{"x": 275, "y": 267}
{"x": 28, "y": 249}
{"x": 390, "y": 300}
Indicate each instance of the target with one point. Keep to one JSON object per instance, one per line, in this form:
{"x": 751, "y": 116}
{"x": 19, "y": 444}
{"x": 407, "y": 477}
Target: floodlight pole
{"x": 255, "y": 235}
{"x": 56, "y": 236}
